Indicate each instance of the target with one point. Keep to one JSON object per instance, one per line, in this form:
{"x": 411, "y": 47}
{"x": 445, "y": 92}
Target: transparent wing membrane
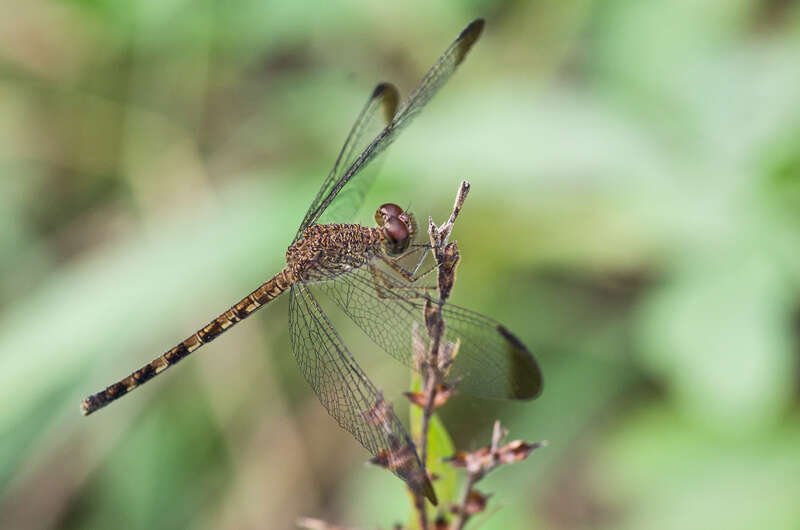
{"x": 436, "y": 77}
{"x": 376, "y": 114}
{"x": 346, "y": 392}
{"x": 491, "y": 361}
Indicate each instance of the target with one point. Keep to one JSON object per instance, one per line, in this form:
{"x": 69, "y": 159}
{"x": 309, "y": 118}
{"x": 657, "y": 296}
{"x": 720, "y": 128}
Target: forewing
{"x": 491, "y": 362}
{"x": 376, "y": 114}
{"x": 436, "y": 77}
{"x": 344, "y": 390}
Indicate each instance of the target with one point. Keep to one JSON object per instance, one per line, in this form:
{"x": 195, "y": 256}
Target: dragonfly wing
{"x": 491, "y": 362}
{"x": 436, "y": 77}
{"x": 349, "y": 397}
{"x": 376, "y": 114}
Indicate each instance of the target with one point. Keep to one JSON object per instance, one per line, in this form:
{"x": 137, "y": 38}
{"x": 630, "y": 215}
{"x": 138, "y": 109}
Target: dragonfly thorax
{"x": 327, "y": 250}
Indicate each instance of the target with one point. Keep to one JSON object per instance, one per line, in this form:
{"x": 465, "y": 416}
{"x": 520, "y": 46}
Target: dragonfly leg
{"x": 419, "y": 262}
{"x": 379, "y": 277}
{"x": 409, "y": 275}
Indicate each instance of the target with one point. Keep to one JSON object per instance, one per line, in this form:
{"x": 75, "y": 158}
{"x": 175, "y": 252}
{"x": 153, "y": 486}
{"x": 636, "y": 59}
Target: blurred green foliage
{"x": 633, "y": 217}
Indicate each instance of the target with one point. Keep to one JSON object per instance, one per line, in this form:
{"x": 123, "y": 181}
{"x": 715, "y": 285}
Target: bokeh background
{"x": 634, "y": 217}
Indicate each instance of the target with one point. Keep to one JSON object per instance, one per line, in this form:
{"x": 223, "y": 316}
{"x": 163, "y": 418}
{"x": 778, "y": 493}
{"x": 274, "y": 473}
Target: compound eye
{"x": 390, "y": 210}
{"x": 396, "y": 231}
{"x": 411, "y": 224}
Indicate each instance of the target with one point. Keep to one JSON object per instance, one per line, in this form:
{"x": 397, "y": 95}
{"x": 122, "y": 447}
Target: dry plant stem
{"x": 443, "y": 232}
{"x": 481, "y": 462}
{"x": 427, "y": 412}
{"x": 462, "y": 517}
{"x": 419, "y": 507}
{"x": 432, "y": 375}
{"x": 446, "y": 257}
{"x": 498, "y": 433}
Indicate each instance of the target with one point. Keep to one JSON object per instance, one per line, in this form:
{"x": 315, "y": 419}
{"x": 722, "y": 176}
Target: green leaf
{"x": 440, "y": 446}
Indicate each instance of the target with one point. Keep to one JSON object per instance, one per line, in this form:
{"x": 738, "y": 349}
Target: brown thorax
{"x": 339, "y": 248}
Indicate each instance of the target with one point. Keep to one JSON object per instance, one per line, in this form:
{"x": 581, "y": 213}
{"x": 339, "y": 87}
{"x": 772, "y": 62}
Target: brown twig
{"x": 479, "y": 463}
{"x": 435, "y": 360}
{"x": 435, "y": 363}
{"x": 461, "y": 511}
{"x": 446, "y": 257}
{"x": 473, "y": 476}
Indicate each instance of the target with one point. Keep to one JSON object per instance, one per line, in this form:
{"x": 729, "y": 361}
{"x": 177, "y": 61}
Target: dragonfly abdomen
{"x": 248, "y": 305}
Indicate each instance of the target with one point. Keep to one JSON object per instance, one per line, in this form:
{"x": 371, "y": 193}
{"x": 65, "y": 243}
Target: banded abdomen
{"x": 248, "y": 305}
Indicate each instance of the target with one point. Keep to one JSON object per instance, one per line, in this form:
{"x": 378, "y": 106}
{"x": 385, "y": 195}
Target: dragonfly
{"x": 365, "y": 272}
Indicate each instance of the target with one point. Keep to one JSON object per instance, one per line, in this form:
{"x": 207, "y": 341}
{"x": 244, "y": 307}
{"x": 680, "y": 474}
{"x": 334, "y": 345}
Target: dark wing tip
{"x": 468, "y": 37}
{"x": 427, "y": 489}
{"x": 381, "y": 88}
{"x": 526, "y": 376}
{"x": 390, "y": 97}
{"x": 476, "y": 27}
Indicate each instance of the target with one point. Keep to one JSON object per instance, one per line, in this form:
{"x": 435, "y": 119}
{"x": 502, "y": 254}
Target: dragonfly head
{"x": 398, "y": 227}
